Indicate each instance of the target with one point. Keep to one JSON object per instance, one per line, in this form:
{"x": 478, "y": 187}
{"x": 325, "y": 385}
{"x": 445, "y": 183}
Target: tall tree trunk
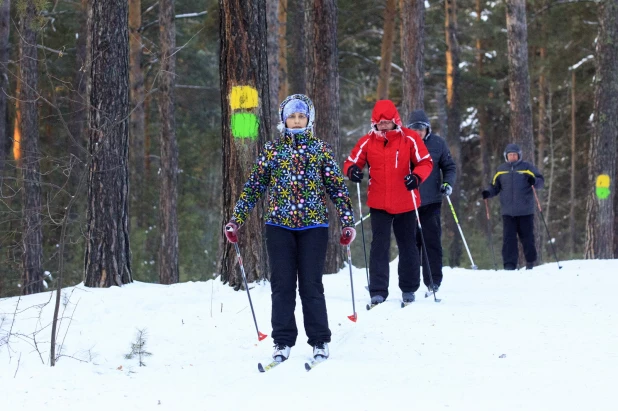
{"x": 482, "y": 108}
{"x": 412, "y": 55}
{"x": 296, "y": 38}
{"x": 283, "y": 54}
{"x": 245, "y": 111}
{"x": 602, "y": 162}
{"x": 108, "y": 252}
{"x": 572, "y": 236}
{"x": 137, "y": 122}
{"x": 387, "y": 49}
{"x": 454, "y": 119}
{"x": 32, "y": 233}
{"x": 542, "y": 137}
{"x": 168, "y": 193}
{"x": 323, "y": 88}
{"x": 520, "y": 130}
{"x": 5, "y": 29}
{"x": 272, "y": 23}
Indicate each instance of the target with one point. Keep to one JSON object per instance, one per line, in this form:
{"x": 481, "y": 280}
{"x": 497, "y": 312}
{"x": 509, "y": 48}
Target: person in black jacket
{"x": 514, "y": 181}
{"x": 438, "y": 185}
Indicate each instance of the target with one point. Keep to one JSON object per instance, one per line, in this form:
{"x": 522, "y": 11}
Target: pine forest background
{"x": 561, "y": 43}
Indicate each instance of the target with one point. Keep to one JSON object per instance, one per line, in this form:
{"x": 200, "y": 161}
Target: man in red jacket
{"x": 398, "y": 162}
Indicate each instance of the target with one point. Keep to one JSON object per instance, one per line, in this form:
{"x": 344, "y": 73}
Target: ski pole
{"x": 352, "y": 317}
{"x": 538, "y": 203}
{"x": 360, "y": 212}
{"x": 474, "y": 267}
{"x": 363, "y": 219}
{"x": 420, "y": 229}
{"x": 491, "y": 241}
{"x": 244, "y": 278}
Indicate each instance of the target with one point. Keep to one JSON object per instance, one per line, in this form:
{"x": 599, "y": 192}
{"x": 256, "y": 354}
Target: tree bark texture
{"x": 454, "y": 119}
{"x": 323, "y": 89}
{"x": 5, "y": 29}
{"x": 412, "y": 56}
{"x": 602, "y": 163}
{"x": 482, "y": 108}
{"x": 542, "y": 137}
{"x": 32, "y": 233}
{"x": 297, "y": 41}
{"x": 272, "y": 23}
{"x": 108, "y": 253}
{"x": 519, "y": 78}
{"x": 168, "y": 192}
{"x": 573, "y": 234}
{"x": 137, "y": 121}
{"x": 245, "y": 111}
{"x": 283, "y": 54}
{"x": 387, "y": 49}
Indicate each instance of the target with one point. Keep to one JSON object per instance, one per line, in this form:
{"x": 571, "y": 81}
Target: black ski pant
{"x": 297, "y": 254}
{"x": 522, "y": 226}
{"x": 432, "y": 233}
{"x": 404, "y": 228}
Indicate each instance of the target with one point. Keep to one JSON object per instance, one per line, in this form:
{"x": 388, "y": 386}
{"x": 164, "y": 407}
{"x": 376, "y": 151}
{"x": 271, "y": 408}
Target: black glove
{"x": 485, "y": 194}
{"x": 355, "y": 174}
{"x": 411, "y": 181}
{"x": 531, "y": 180}
{"x": 446, "y": 189}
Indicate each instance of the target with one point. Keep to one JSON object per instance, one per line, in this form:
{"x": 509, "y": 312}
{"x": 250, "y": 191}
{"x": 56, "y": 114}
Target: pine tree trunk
{"x": 541, "y": 141}
{"x": 108, "y": 253}
{"x": 244, "y": 94}
{"x": 412, "y": 55}
{"x": 272, "y": 23}
{"x": 297, "y": 41}
{"x": 137, "y": 121}
{"x": 168, "y": 192}
{"x": 519, "y": 79}
{"x": 32, "y": 233}
{"x": 323, "y": 89}
{"x": 387, "y": 49}
{"x": 602, "y": 162}
{"x": 482, "y": 108}
{"x": 573, "y": 234}
{"x": 454, "y": 119}
{"x": 5, "y": 29}
{"x": 283, "y": 54}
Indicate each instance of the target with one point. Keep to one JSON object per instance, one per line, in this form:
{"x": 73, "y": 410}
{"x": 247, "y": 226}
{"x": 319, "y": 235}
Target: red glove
{"x": 347, "y": 236}
{"x": 231, "y": 232}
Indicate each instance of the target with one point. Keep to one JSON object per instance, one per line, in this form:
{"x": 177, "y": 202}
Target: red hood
{"x": 385, "y": 110}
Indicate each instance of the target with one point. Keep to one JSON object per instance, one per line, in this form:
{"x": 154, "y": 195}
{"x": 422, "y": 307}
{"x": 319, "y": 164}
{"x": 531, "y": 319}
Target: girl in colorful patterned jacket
{"x": 398, "y": 163}
{"x": 299, "y": 170}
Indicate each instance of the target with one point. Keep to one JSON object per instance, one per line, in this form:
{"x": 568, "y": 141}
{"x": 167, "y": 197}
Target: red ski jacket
{"x": 390, "y": 156}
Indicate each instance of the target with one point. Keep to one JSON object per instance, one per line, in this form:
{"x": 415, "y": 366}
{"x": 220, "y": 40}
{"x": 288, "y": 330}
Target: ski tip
{"x": 260, "y": 367}
{"x": 403, "y": 305}
{"x": 353, "y": 317}
{"x": 261, "y": 336}
{"x": 438, "y": 300}
{"x": 307, "y": 366}
{"x": 368, "y": 307}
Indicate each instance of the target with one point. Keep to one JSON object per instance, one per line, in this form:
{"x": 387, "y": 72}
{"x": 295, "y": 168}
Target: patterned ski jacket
{"x": 298, "y": 170}
{"x": 390, "y": 157}
{"x": 511, "y": 182}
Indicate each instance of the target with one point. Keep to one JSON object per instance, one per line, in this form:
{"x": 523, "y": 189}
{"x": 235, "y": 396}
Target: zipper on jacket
{"x": 396, "y": 158}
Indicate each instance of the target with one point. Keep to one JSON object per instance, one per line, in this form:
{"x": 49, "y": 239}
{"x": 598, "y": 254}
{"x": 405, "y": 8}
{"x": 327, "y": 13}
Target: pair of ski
{"x": 308, "y": 365}
{"x": 403, "y": 304}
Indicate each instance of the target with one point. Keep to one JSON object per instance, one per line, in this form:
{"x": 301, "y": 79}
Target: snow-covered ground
{"x": 545, "y": 339}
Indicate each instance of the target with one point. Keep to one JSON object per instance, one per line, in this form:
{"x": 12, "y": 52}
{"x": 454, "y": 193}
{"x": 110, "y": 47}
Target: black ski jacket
{"x": 444, "y": 170}
{"x": 511, "y": 182}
